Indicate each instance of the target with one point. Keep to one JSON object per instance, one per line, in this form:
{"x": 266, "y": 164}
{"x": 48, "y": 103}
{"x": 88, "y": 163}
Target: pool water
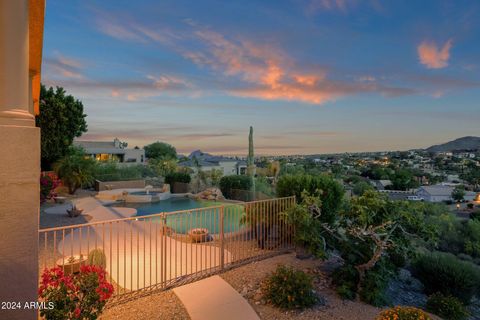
{"x": 183, "y": 222}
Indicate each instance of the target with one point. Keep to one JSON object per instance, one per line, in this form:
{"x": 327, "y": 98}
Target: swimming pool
{"x": 183, "y": 222}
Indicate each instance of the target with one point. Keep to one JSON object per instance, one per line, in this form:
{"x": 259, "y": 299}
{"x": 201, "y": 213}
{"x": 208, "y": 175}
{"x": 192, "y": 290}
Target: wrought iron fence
{"x": 163, "y": 250}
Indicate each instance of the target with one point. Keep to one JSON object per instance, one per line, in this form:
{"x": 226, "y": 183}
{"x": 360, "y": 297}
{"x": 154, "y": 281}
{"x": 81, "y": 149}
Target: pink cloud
{"x": 60, "y": 66}
{"x": 432, "y": 56}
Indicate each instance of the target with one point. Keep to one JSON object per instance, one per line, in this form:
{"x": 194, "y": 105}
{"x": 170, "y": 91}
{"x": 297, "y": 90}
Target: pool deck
{"x": 140, "y": 255}
{"x": 96, "y": 208}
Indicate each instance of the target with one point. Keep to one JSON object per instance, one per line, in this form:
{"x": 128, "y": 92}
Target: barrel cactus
{"x": 97, "y": 257}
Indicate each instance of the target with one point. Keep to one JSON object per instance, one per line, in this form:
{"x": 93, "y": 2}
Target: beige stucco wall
{"x": 19, "y": 163}
{"x": 19, "y": 209}
{"x": 129, "y": 184}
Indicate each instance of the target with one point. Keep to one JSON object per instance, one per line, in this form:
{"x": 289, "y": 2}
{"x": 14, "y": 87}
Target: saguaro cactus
{"x": 251, "y": 161}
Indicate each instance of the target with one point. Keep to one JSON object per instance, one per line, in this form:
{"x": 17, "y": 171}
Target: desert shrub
{"x": 345, "y": 279}
{"x": 181, "y": 177}
{"x": 263, "y": 186}
{"x": 444, "y": 273}
{"x": 472, "y": 238}
{"x": 288, "y": 288}
{"x": 403, "y": 313}
{"x": 464, "y": 257}
{"x": 475, "y": 215}
{"x": 330, "y": 191}
{"x": 229, "y": 183}
{"x": 111, "y": 171}
{"x": 97, "y": 257}
{"x": 308, "y": 231}
{"x": 449, "y": 231}
{"x": 447, "y": 307}
{"x": 375, "y": 283}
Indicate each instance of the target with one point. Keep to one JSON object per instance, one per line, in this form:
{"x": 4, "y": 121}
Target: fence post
{"x": 222, "y": 242}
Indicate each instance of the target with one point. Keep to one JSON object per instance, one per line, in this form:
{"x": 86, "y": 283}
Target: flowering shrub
{"x": 288, "y": 288}
{"x": 403, "y": 313}
{"x": 48, "y": 183}
{"x": 78, "y": 296}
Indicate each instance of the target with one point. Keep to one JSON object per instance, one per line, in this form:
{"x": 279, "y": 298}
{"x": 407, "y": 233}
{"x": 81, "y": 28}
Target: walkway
{"x": 214, "y": 299}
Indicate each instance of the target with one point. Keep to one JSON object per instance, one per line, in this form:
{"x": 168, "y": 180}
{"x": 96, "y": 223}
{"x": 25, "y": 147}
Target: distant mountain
{"x": 460, "y": 144}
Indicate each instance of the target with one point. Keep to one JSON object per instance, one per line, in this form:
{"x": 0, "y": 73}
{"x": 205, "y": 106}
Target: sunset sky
{"x": 311, "y": 76}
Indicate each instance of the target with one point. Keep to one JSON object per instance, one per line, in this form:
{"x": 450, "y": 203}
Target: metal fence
{"x": 159, "y": 251}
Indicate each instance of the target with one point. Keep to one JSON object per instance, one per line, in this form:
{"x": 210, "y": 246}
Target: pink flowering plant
{"x": 78, "y": 296}
{"x": 48, "y": 183}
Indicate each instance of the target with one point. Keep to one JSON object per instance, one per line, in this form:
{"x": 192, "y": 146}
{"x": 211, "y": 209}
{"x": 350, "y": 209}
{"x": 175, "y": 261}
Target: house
{"x": 381, "y": 184}
{"x": 441, "y": 192}
{"x": 205, "y": 161}
{"x": 112, "y": 151}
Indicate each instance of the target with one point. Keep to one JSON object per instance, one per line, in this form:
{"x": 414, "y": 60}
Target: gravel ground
{"x": 163, "y": 305}
{"x": 247, "y": 279}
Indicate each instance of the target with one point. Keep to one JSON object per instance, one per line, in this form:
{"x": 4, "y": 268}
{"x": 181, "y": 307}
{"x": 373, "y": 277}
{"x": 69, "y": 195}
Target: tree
{"x": 159, "y": 150}
{"x": 361, "y": 187}
{"x": 163, "y": 166}
{"x": 75, "y": 169}
{"x": 61, "y": 119}
{"x": 458, "y": 193}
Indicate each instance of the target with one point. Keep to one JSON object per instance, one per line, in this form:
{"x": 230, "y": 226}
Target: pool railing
{"x": 167, "y": 249}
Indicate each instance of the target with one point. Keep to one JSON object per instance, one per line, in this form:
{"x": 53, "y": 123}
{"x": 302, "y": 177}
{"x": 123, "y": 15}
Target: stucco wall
{"x": 19, "y": 209}
{"x": 102, "y": 185}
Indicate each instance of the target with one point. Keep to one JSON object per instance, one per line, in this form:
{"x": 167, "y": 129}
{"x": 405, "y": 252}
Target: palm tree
{"x": 75, "y": 169}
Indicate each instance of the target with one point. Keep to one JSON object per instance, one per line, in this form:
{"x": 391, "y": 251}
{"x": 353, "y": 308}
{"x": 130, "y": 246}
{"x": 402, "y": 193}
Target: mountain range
{"x": 461, "y": 144}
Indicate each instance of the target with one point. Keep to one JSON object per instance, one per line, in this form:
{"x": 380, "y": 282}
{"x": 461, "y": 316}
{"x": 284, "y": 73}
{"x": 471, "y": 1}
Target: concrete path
{"x": 214, "y": 299}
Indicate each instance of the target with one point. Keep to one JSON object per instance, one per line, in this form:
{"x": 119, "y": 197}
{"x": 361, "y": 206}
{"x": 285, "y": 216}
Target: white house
{"x": 207, "y": 162}
{"x": 112, "y": 150}
{"x": 439, "y": 193}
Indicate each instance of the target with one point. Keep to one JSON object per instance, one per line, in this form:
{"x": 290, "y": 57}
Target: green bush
{"x": 375, "y": 283}
{"x": 331, "y": 192}
{"x": 444, "y": 273}
{"x": 345, "y": 279}
{"x": 229, "y": 183}
{"x": 181, "y": 177}
{"x": 288, "y": 288}
{"x": 447, "y": 307}
{"x": 111, "y": 171}
{"x": 475, "y": 215}
{"x": 75, "y": 169}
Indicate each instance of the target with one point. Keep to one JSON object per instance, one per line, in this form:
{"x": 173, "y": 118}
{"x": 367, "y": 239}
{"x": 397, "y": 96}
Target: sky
{"x": 311, "y": 76}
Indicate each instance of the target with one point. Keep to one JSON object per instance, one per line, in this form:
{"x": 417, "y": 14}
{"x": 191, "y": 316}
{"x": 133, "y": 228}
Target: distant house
{"x": 112, "y": 151}
{"x": 381, "y": 184}
{"x": 207, "y": 162}
{"x": 439, "y": 193}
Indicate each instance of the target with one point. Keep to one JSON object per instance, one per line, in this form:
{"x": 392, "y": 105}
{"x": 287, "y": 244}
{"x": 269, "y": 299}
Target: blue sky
{"x": 311, "y": 76}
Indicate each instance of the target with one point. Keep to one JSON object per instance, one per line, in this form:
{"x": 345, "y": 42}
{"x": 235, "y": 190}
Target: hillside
{"x": 465, "y": 143}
